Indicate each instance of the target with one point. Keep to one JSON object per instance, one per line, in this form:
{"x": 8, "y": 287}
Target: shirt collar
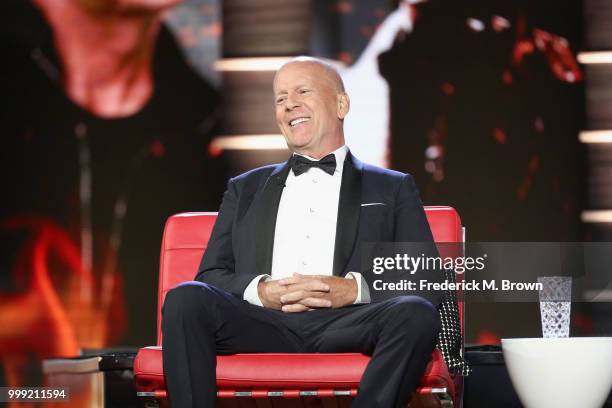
{"x": 340, "y": 154}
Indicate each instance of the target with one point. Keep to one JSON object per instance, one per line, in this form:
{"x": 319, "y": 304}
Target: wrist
{"x": 261, "y": 291}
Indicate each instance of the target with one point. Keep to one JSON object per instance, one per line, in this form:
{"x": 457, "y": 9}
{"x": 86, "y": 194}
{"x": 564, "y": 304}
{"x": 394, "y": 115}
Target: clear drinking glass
{"x": 555, "y": 305}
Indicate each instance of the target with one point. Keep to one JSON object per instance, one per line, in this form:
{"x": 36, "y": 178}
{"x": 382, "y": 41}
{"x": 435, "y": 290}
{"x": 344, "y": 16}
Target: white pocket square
{"x": 370, "y": 204}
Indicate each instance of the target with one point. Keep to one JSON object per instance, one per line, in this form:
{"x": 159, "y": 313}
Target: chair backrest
{"x": 186, "y": 236}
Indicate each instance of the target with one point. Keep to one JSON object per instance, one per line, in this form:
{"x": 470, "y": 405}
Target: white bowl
{"x": 573, "y": 372}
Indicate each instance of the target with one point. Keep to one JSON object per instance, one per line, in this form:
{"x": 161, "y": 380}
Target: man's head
{"x": 310, "y": 106}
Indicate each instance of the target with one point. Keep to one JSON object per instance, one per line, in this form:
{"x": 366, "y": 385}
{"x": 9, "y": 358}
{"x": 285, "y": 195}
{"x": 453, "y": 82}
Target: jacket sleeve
{"x": 217, "y": 267}
{"x": 410, "y": 225}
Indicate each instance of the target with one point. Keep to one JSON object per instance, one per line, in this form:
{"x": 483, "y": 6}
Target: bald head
{"x": 328, "y": 72}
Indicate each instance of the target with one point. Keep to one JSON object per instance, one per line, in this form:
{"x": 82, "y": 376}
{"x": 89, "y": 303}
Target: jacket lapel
{"x": 349, "y": 208}
{"x": 267, "y": 211}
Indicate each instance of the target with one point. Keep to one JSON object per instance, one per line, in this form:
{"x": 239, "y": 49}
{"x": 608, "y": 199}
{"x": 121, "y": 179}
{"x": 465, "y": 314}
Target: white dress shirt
{"x": 305, "y": 234}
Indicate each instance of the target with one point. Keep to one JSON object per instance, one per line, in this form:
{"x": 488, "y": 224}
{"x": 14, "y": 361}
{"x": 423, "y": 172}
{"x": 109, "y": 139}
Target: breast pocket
{"x": 376, "y": 223}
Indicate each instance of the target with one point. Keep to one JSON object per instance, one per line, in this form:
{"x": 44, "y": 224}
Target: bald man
{"x": 282, "y": 269}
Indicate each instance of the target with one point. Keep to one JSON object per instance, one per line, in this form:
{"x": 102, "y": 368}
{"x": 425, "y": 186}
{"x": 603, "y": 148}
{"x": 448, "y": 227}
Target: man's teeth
{"x": 298, "y": 121}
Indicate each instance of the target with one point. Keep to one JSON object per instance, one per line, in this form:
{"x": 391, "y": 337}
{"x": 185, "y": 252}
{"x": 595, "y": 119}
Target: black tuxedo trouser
{"x": 201, "y": 321}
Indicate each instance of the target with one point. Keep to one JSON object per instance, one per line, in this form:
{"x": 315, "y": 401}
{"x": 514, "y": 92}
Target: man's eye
{"x": 303, "y": 91}
{"x": 280, "y": 100}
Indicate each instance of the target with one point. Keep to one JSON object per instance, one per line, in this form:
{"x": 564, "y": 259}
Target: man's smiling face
{"x": 310, "y": 106}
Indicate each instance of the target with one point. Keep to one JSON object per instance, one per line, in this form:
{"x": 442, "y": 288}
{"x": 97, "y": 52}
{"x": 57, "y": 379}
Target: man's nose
{"x": 292, "y": 103}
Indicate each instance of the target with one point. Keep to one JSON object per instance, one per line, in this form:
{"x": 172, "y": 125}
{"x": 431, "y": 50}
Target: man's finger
{"x": 315, "y": 303}
{"x": 294, "y": 308}
{"x": 293, "y": 297}
{"x": 298, "y": 295}
{"x": 312, "y": 285}
{"x": 290, "y": 281}
{"x": 307, "y": 304}
{"x": 302, "y": 282}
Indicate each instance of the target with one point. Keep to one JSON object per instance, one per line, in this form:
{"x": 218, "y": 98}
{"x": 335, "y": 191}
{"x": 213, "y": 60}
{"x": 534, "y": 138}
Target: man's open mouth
{"x": 297, "y": 121}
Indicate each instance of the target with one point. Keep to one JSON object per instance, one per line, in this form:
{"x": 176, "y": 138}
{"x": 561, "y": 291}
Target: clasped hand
{"x": 299, "y": 293}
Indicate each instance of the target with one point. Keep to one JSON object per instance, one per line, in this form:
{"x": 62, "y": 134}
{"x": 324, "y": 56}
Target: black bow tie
{"x": 300, "y": 164}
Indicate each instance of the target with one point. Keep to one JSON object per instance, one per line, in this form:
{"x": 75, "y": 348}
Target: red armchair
{"x": 277, "y": 375}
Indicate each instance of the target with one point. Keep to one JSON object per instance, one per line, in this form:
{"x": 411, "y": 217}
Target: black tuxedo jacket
{"x": 242, "y": 240}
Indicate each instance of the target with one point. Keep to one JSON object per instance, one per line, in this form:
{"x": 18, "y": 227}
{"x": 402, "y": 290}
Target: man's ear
{"x": 344, "y": 104}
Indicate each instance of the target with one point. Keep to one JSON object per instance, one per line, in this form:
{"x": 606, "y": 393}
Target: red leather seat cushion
{"x": 275, "y": 371}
